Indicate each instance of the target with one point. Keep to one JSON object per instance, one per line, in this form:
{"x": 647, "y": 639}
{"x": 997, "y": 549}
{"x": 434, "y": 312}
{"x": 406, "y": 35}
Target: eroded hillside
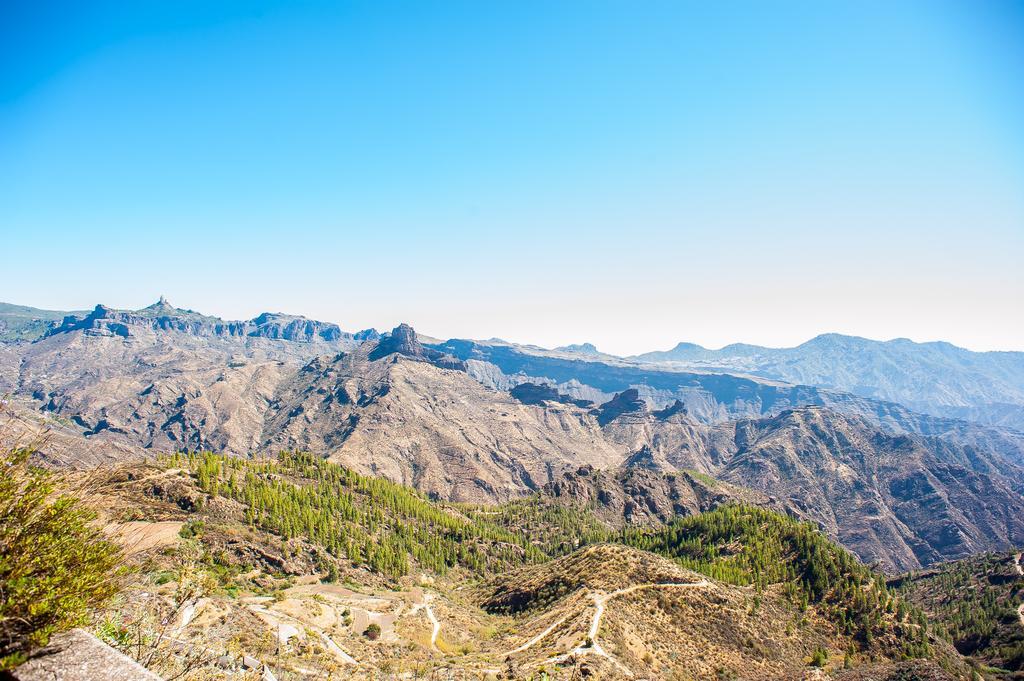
{"x": 298, "y": 564}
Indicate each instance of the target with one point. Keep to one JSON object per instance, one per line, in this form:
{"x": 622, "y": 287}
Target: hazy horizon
{"x": 582, "y": 172}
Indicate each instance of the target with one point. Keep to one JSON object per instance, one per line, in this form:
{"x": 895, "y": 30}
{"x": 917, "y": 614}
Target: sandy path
{"x": 138, "y": 536}
{"x": 425, "y": 605}
{"x": 600, "y": 601}
{"x": 539, "y": 637}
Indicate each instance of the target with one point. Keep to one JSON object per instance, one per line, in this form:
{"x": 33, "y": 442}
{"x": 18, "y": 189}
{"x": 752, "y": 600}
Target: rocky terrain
{"x": 709, "y": 393}
{"x": 904, "y": 500}
{"x": 934, "y": 378}
{"x": 389, "y": 583}
{"x": 431, "y": 426}
{"x": 487, "y": 422}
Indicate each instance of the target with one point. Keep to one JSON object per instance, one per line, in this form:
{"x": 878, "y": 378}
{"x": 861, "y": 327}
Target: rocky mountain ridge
{"x": 162, "y": 316}
{"x": 708, "y": 397}
{"x": 936, "y": 378}
{"x": 848, "y": 373}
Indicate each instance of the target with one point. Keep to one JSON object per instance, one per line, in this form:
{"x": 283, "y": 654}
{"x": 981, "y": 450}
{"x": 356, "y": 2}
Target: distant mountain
{"x": 934, "y": 378}
{"x": 22, "y": 323}
{"x": 709, "y": 396}
{"x": 580, "y": 348}
{"x": 162, "y": 316}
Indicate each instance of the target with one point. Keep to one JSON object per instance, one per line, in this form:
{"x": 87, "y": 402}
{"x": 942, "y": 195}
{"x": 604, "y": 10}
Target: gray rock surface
{"x": 162, "y": 316}
{"x": 77, "y": 655}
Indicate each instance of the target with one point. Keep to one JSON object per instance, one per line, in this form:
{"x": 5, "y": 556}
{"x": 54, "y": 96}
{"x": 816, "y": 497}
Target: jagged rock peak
{"x": 676, "y": 407}
{"x": 628, "y": 401}
{"x": 367, "y": 335}
{"x": 403, "y": 341}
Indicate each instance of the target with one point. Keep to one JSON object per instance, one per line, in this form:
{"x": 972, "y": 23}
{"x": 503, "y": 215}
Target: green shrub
{"x": 191, "y": 529}
{"x": 372, "y": 631}
{"x": 54, "y": 565}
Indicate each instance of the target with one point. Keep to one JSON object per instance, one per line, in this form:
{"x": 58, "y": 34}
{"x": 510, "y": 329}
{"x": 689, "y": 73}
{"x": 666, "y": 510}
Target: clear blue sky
{"x": 631, "y": 174}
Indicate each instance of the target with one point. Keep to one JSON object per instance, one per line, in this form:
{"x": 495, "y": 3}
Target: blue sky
{"x": 631, "y": 174}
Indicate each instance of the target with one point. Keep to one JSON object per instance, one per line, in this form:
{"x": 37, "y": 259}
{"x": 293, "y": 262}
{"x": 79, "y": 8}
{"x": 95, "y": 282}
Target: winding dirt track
{"x": 600, "y": 601}
{"x": 425, "y": 605}
{"x": 288, "y": 630}
{"x": 537, "y": 639}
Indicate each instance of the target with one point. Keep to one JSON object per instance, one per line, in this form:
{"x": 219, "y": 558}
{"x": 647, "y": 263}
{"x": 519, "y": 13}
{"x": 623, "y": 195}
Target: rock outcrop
{"x": 162, "y": 316}
{"x": 403, "y": 341}
{"x": 533, "y": 393}
{"x": 626, "y": 402}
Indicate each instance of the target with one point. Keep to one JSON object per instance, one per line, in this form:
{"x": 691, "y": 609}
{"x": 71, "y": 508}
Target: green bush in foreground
{"x": 54, "y": 565}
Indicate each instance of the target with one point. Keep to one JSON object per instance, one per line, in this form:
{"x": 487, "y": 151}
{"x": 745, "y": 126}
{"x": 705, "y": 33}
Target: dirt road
{"x": 591, "y": 645}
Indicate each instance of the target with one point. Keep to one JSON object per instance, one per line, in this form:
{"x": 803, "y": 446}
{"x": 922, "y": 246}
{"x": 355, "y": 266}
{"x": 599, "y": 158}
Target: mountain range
{"x": 491, "y": 421}
{"x": 933, "y": 378}
{"x": 516, "y": 512}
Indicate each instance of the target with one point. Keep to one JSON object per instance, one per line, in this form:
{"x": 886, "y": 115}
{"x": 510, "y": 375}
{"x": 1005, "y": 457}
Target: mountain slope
{"x": 903, "y": 500}
{"x": 978, "y": 603}
{"x": 432, "y": 427}
{"x": 23, "y": 323}
{"x": 257, "y": 547}
{"x": 613, "y": 611}
{"x": 895, "y": 486}
{"x": 707, "y": 396}
{"x": 898, "y": 499}
{"x": 935, "y": 378}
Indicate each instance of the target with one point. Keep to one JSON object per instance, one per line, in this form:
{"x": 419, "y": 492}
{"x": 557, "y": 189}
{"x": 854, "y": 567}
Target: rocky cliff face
{"x": 162, "y": 316}
{"x": 403, "y": 341}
